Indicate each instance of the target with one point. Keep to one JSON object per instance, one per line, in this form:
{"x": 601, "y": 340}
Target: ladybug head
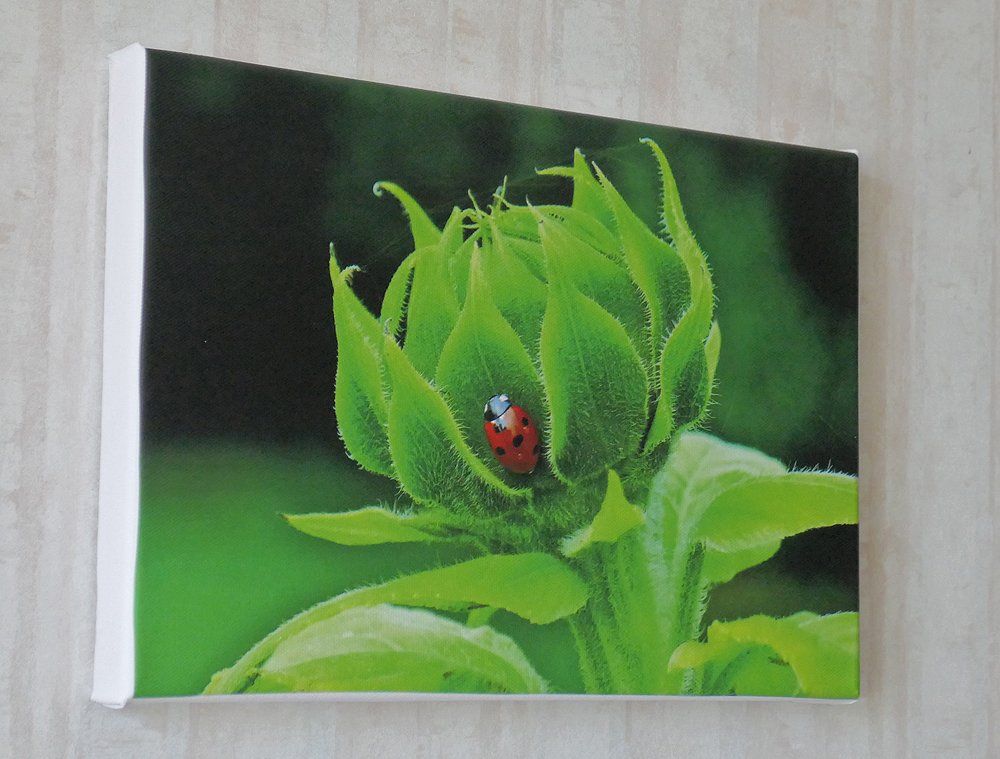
{"x": 496, "y": 406}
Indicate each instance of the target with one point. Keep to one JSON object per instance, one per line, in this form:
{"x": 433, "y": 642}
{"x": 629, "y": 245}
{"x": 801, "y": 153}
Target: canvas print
{"x": 444, "y": 395}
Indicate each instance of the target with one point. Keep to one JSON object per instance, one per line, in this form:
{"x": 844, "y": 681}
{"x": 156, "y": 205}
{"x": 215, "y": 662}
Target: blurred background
{"x": 252, "y": 172}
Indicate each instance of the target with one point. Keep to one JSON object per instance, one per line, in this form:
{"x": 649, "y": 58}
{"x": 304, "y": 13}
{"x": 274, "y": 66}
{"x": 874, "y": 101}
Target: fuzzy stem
{"x": 691, "y": 593}
{"x": 647, "y": 597}
{"x": 616, "y": 655}
{"x": 619, "y": 634}
{"x": 595, "y": 679}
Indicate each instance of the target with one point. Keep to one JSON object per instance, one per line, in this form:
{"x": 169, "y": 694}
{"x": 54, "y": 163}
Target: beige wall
{"x": 912, "y": 85}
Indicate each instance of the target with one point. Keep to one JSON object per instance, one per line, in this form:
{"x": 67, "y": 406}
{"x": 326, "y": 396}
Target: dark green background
{"x": 253, "y": 171}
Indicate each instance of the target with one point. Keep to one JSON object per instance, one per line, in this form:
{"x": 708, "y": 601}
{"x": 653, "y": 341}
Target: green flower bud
{"x": 592, "y": 322}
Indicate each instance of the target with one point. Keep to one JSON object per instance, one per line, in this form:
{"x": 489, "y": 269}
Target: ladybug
{"x": 512, "y": 435}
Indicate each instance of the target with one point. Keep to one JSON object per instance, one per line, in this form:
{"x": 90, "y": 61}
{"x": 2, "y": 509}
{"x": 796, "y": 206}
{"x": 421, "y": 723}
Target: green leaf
{"x": 451, "y": 250}
{"x": 386, "y": 648}
{"x": 587, "y": 229}
{"x": 655, "y": 268}
{"x": 359, "y": 392}
{"x": 713, "y": 345}
{"x": 764, "y": 510}
{"x": 687, "y": 246}
{"x": 701, "y": 476}
{"x": 588, "y": 197}
{"x": 432, "y": 310}
{"x": 700, "y": 382}
{"x": 840, "y": 630}
{"x": 529, "y": 253}
{"x": 371, "y": 525}
{"x": 683, "y": 391}
{"x": 535, "y": 586}
{"x": 615, "y": 517}
{"x": 453, "y": 232}
{"x": 480, "y": 616}
{"x": 423, "y": 229}
{"x": 822, "y": 652}
{"x": 694, "y": 654}
{"x": 482, "y": 357}
{"x": 722, "y": 566}
{"x": 757, "y": 673}
{"x": 741, "y": 503}
{"x": 594, "y": 378}
{"x": 458, "y": 266}
{"x": 432, "y": 460}
{"x": 699, "y": 468}
{"x": 516, "y": 290}
{"x": 672, "y": 211}
{"x": 600, "y": 279}
{"x": 730, "y": 668}
{"x": 397, "y": 295}
{"x": 691, "y": 389}
{"x": 517, "y": 228}
{"x": 517, "y": 222}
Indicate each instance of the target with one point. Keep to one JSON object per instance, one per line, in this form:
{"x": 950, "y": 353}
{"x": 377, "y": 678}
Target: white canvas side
{"x": 118, "y": 517}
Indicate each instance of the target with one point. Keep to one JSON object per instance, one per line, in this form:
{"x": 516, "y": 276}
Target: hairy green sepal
{"x": 595, "y": 381}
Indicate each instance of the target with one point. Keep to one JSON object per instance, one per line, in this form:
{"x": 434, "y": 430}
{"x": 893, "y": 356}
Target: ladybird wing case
{"x": 514, "y": 440}
{"x": 526, "y": 427}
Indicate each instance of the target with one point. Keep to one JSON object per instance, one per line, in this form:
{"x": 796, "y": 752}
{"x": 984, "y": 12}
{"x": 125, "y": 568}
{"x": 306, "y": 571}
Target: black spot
{"x": 518, "y": 439}
{"x": 500, "y": 451}
{"x": 536, "y": 449}
{"x": 525, "y": 421}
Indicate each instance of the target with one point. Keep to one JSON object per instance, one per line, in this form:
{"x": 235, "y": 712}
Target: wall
{"x": 912, "y": 85}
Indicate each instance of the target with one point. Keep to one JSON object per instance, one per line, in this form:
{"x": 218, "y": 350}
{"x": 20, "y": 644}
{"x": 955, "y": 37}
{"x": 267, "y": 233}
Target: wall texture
{"x": 914, "y": 86}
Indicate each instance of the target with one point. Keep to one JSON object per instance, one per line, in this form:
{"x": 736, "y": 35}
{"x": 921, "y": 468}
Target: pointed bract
{"x": 423, "y": 229}
{"x": 360, "y": 396}
{"x": 594, "y": 380}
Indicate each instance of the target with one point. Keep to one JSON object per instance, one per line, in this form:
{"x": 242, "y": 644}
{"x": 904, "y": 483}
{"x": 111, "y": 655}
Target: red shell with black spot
{"x": 512, "y": 435}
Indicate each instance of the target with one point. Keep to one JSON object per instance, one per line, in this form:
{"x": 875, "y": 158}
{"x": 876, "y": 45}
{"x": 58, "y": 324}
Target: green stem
{"x": 619, "y": 634}
{"x": 629, "y": 587}
{"x": 595, "y": 679}
{"x": 600, "y": 616}
{"x": 690, "y": 606}
{"x": 647, "y": 597}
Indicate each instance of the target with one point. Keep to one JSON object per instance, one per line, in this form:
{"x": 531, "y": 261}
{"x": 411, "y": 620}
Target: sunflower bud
{"x": 597, "y": 326}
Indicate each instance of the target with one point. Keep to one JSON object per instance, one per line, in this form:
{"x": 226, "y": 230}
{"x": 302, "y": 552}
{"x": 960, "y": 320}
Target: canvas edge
{"x": 118, "y": 493}
{"x": 858, "y": 305}
{"x": 418, "y": 696}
